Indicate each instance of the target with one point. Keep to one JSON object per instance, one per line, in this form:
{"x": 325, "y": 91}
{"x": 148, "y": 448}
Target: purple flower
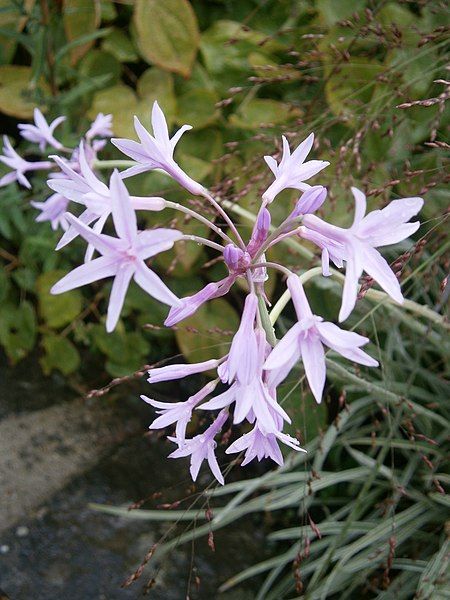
{"x": 306, "y": 338}
{"x": 178, "y": 412}
{"x": 202, "y": 447}
{"x": 237, "y": 260}
{"x": 18, "y": 165}
{"x": 85, "y": 188}
{"x": 189, "y": 305}
{"x": 100, "y": 127}
{"x": 378, "y": 228}
{"x": 243, "y": 356}
{"x": 254, "y": 399}
{"x": 260, "y": 231}
{"x": 122, "y": 257}
{"x": 258, "y": 444}
{"x": 309, "y": 201}
{"x": 41, "y": 132}
{"x": 53, "y": 210}
{"x": 330, "y": 248}
{"x": 292, "y": 170}
{"x": 156, "y": 151}
{"x": 171, "y": 372}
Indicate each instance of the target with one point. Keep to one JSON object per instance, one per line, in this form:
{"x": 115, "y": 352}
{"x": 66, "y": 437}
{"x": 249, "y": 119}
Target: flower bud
{"x": 310, "y": 201}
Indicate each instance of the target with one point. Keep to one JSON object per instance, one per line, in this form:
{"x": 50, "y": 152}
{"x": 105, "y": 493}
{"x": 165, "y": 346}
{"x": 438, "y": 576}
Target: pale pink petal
{"x": 103, "y": 243}
{"x": 332, "y": 334}
{"x": 377, "y": 267}
{"x": 97, "y": 269}
{"x": 214, "y": 465}
{"x": 152, "y": 284}
{"x": 159, "y": 124}
{"x": 123, "y": 214}
{"x": 153, "y": 241}
{"x": 360, "y": 205}
{"x": 118, "y": 293}
{"x": 176, "y": 137}
{"x": 285, "y": 350}
{"x": 353, "y": 272}
{"x": 303, "y": 149}
{"x": 313, "y": 357}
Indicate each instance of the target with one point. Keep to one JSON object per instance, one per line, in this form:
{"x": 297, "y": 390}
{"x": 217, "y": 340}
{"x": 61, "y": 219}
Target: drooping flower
{"x": 378, "y": 228}
{"x": 87, "y": 189}
{"x": 122, "y": 257}
{"x": 100, "y": 127}
{"x": 156, "y": 151}
{"x": 253, "y": 398}
{"x": 18, "y": 165}
{"x": 292, "y": 171}
{"x": 190, "y": 304}
{"x": 306, "y": 339}
{"x": 242, "y": 360}
{"x": 331, "y": 249}
{"x": 258, "y": 444}
{"x": 201, "y": 448}
{"x": 178, "y": 412}
{"x": 41, "y": 132}
{"x": 53, "y": 210}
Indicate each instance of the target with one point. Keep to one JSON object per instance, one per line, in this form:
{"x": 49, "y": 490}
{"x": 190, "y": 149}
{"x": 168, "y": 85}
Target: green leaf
{"x": 156, "y": 84}
{"x": 11, "y": 18}
{"x": 167, "y": 34}
{"x": 17, "y": 96}
{"x": 208, "y": 333}
{"x": 18, "y": 329}
{"x": 197, "y": 108}
{"x": 126, "y": 351}
{"x": 99, "y": 62}
{"x": 331, "y": 11}
{"x": 263, "y": 111}
{"x": 80, "y": 18}
{"x": 120, "y": 101}
{"x": 58, "y": 310}
{"x": 119, "y": 45}
{"x": 60, "y": 354}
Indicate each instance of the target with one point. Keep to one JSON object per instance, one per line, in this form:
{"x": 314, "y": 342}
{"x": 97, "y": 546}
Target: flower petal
{"x": 313, "y": 357}
{"x": 118, "y": 293}
{"x": 152, "y": 284}
{"x": 99, "y": 268}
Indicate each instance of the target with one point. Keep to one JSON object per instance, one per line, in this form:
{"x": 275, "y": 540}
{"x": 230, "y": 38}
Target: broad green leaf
{"x": 59, "y": 354}
{"x": 208, "y": 333}
{"x": 18, "y": 329}
{"x": 120, "y": 45}
{"x": 126, "y": 351}
{"x": 57, "y": 310}
{"x": 197, "y": 108}
{"x": 17, "y": 96}
{"x": 167, "y": 34}
{"x": 12, "y": 18}
{"x": 156, "y": 84}
{"x": 120, "y": 101}
{"x": 261, "y": 112}
{"x": 80, "y": 17}
{"x": 100, "y": 62}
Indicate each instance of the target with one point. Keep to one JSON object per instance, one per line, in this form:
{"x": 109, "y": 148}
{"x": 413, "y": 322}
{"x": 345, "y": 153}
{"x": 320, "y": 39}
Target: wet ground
{"x": 52, "y": 545}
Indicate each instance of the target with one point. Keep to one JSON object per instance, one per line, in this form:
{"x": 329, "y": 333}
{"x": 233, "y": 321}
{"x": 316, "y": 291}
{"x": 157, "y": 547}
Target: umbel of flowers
{"x": 256, "y": 364}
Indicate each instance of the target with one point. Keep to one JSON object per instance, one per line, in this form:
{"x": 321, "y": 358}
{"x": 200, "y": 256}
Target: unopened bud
{"x": 310, "y": 201}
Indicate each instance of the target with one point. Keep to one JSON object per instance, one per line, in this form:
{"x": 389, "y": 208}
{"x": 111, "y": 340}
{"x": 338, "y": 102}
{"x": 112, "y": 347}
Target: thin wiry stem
{"x": 227, "y": 219}
{"x": 199, "y": 217}
{"x": 201, "y": 240}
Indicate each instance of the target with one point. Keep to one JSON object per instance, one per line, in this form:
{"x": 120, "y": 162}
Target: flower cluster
{"x": 244, "y": 389}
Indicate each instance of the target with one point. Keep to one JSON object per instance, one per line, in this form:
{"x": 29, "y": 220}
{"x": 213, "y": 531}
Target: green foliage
{"x": 243, "y": 72}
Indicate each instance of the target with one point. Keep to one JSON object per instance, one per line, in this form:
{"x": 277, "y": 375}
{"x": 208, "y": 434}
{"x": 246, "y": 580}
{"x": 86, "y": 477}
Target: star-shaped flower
{"x": 202, "y": 447}
{"x": 41, "y": 132}
{"x": 156, "y": 151}
{"x": 53, "y": 210}
{"x": 87, "y": 189}
{"x": 100, "y": 127}
{"x": 18, "y": 165}
{"x": 292, "y": 170}
{"x": 306, "y": 339}
{"x": 378, "y": 228}
{"x": 122, "y": 257}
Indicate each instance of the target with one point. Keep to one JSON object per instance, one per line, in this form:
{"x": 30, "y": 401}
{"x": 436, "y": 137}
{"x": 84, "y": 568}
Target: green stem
{"x": 113, "y": 164}
{"x": 265, "y": 321}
